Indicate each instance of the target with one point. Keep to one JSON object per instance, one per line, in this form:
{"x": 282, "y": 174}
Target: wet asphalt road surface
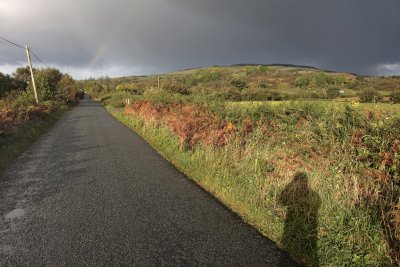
{"x": 92, "y": 192}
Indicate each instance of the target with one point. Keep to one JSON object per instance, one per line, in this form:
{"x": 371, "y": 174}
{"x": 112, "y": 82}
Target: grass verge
{"x": 13, "y": 145}
{"x": 256, "y": 189}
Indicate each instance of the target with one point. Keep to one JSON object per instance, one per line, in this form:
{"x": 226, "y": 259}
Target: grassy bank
{"x": 319, "y": 180}
{"x": 22, "y": 137}
{"x": 310, "y": 158}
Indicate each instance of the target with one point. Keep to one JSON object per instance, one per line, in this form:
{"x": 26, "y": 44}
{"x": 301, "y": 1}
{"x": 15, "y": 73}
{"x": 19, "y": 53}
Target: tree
{"x": 45, "y": 91}
{"x": 23, "y": 74}
{"x": 9, "y": 84}
{"x": 67, "y": 89}
{"x": 47, "y": 82}
{"x": 53, "y": 75}
{"x": 4, "y": 83}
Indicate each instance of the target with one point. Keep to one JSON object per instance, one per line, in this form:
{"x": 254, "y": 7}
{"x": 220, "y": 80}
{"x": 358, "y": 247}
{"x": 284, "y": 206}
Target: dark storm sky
{"x": 120, "y": 37}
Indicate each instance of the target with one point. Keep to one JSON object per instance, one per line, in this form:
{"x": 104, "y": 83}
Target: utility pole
{"x": 30, "y": 67}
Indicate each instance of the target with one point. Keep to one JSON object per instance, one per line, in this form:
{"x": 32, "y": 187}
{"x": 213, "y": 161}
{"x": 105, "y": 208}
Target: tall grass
{"x": 349, "y": 158}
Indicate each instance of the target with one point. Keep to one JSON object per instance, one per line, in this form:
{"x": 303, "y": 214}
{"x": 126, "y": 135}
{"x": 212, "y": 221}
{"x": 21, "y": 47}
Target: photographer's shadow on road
{"x": 300, "y": 235}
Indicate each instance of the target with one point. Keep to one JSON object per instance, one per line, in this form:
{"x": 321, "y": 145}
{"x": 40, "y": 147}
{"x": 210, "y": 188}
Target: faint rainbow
{"x": 100, "y": 51}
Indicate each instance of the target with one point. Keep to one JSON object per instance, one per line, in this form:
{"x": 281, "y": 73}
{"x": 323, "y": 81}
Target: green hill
{"x": 260, "y": 83}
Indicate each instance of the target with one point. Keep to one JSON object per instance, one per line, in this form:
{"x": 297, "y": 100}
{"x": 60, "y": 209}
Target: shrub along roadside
{"x": 22, "y": 120}
{"x": 395, "y": 97}
{"x": 16, "y": 142}
{"x": 350, "y": 171}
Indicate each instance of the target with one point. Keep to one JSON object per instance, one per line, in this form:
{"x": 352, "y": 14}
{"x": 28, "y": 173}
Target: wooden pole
{"x": 158, "y": 83}
{"x": 30, "y": 68}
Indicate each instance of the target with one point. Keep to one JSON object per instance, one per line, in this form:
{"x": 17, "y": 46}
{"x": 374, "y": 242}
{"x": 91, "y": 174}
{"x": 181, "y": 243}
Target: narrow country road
{"x": 92, "y": 192}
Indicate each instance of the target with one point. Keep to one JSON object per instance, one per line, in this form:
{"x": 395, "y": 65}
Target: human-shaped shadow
{"x": 300, "y": 236}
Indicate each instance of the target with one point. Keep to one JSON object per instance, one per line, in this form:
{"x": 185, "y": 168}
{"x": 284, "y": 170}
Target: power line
{"x": 20, "y": 46}
{"x": 8, "y": 41}
{"x": 38, "y": 58}
{"x": 29, "y": 63}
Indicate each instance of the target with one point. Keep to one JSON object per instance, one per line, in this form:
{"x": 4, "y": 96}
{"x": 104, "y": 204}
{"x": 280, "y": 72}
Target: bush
{"x": 19, "y": 101}
{"x": 332, "y": 92}
{"x": 162, "y": 97}
{"x": 230, "y": 94}
{"x": 206, "y": 76}
{"x": 94, "y": 88}
{"x": 259, "y": 94}
{"x": 323, "y": 80}
{"x": 52, "y": 85}
{"x": 44, "y": 90}
{"x": 303, "y": 82}
{"x": 9, "y": 84}
{"x": 201, "y": 76}
{"x": 256, "y": 69}
{"x": 395, "y": 97}
{"x": 66, "y": 89}
{"x": 238, "y": 83}
{"x": 369, "y": 95}
{"x": 126, "y": 87}
{"x": 176, "y": 87}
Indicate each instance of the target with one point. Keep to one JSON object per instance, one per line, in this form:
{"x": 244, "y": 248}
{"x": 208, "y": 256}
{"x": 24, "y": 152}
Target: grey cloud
{"x": 161, "y": 35}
